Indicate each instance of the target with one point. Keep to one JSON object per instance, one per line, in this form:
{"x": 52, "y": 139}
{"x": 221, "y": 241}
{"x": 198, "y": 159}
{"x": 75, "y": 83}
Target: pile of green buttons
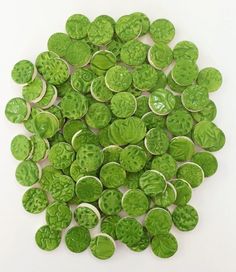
{"x": 114, "y": 139}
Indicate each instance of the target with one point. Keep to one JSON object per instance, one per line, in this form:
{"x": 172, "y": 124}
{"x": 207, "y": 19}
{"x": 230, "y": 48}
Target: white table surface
{"x": 25, "y": 27}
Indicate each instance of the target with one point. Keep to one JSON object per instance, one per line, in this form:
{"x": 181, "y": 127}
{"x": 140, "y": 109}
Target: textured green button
{"x": 35, "y": 200}
{"x": 21, "y": 147}
{"x": 61, "y": 155}
{"x": 185, "y": 217}
{"x": 158, "y": 221}
{"x": 88, "y": 188}
{"x": 164, "y": 245}
{"x": 58, "y": 216}
{"x": 161, "y": 101}
{"x": 110, "y": 201}
{"x": 102, "y": 246}
{"x": 23, "y": 72}
{"x": 17, "y": 110}
{"x": 77, "y": 239}
{"x": 192, "y": 173}
{"x": 47, "y": 239}
{"x": 112, "y": 175}
{"x": 129, "y": 231}
{"x": 87, "y": 215}
{"x": 135, "y": 202}
{"x": 28, "y": 173}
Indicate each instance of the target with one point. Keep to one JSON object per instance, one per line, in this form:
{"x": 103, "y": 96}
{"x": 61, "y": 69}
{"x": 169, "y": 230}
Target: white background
{"x": 25, "y": 27}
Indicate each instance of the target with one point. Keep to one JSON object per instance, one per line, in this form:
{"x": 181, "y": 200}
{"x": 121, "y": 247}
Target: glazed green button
{"x": 208, "y": 135}
{"x": 184, "y": 191}
{"x": 208, "y": 113}
{"x": 17, "y": 110}
{"x": 178, "y": 103}
{"x": 185, "y": 217}
{"x": 207, "y": 162}
{"x": 143, "y": 243}
{"x": 78, "y": 53}
{"x": 49, "y": 174}
{"x": 152, "y": 182}
{"x": 123, "y": 104}
{"x": 145, "y": 77}
{"x": 162, "y": 30}
{"x": 110, "y": 201}
{"x": 179, "y": 122}
{"x": 81, "y": 80}
{"x": 153, "y": 120}
{"x": 161, "y": 101}
{"x": 118, "y": 78}
{"x": 23, "y": 72}
{"x": 156, "y": 141}
{"x": 135, "y": 202}
{"x": 61, "y": 155}
{"x": 128, "y": 27}
{"x": 165, "y": 164}
{"x": 100, "y": 31}
{"x": 181, "y": 148}
{"x": 102, "y": 61}
{"x": 99, "y": 90}
{"x": 98, "y": 115}
{"x": 111, "y": 153}
{"x": 102, "y": 246}
{"x": 192, "y": 173}
{"x": 47, "y": 239}
{"x": 58, "y": 216}
{"x": 46, "y": 124}
{"x": 57, "y": 111}
{"x": 142, "y": 106}
{"x": 62, "y": 188}
{"x": 57, "y": 138}
{"x": 158, "y": 221}
{"x": 107, "y": 18}
{"x": 160, "y": 55}
{"x": 90, "y": 157}
{"x": 40, "y": 148}
{"x": 29, "y": 123}
{"x": 185, "y": 72}
{"x": 129, "y": 231}
{"x": 71, "y": 127}
{"x": 112, "y": 175}
{"x": 131, "y": 130}
{"x": 144, "y": 21}
{"x": 58, "y": 43}
{"x": 87, "y": 215}
{"x": 74, "y": 105}
{"x": 55, "y": 71}
{"x": 76, "y": 172}
{"x": 77, "y": 239}
{"x": 28, "y": 173}
{"x": 164, "y": 245}
{"x": 82, "y": 137}
{"x": 210, "y": 78}
{"x": 35, "y": 200}
{"x": 195, "y": 98}
{"x": 173, "y": 85}
{"x": 64, "y": 88}
{"x": 133, "y": 53}
{"x": 21, "y": 147}
{"x": 166, "y": 198}
{"x": 49, "y": 97}
{"x": 133, "y": 158}
{"x": 77, "y": 26}
{"x": 88, "y": 188}
{"x": 108, "y": 225}
{"x": 185, "y": 50}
